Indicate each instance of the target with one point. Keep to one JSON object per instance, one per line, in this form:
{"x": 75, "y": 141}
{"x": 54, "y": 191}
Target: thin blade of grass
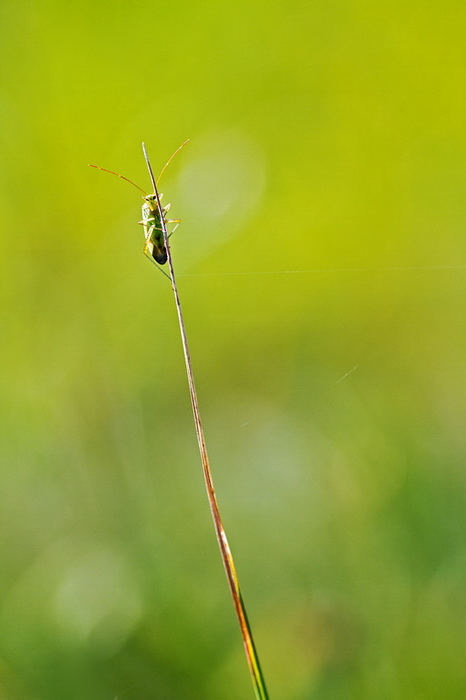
{"x": 232, "y": 578}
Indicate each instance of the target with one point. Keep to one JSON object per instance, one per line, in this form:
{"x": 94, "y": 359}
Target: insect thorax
{"x": 150, "y": 207}
{"x": 149, "y": 211}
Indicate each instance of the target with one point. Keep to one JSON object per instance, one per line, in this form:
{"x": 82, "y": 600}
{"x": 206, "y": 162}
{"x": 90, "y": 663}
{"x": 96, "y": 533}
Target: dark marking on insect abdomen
{"x": 159, "y": 256}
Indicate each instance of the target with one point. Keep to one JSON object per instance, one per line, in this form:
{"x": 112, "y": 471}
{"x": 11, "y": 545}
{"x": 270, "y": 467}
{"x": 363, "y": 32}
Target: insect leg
{"x": 177, "y": 222}
{"x": 167, "y": 221}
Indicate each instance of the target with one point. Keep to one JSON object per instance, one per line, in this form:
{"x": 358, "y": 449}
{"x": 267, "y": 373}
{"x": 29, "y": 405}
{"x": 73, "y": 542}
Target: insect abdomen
{"x": 159, "y": 255}
{"x": 154, "y": 233}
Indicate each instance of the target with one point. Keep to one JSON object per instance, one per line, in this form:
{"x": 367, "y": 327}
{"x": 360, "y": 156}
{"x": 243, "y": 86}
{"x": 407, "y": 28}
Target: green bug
{"x": 154, "y": 245}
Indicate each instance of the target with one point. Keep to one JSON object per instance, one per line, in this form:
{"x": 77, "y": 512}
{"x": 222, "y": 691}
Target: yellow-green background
{"x": 324, "y": 213}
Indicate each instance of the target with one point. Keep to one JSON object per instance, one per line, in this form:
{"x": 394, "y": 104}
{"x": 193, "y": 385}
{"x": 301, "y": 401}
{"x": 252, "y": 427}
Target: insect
{"x": 153, "y": 215}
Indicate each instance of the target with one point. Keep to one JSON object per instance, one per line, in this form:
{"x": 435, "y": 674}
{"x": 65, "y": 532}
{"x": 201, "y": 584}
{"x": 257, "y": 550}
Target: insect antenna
{"x": 118, "y": 175}
{"x": 170, "y": 160}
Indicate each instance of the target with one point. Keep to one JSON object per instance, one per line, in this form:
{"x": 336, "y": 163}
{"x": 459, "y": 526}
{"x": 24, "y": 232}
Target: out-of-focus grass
{"x": 328, "y": 148}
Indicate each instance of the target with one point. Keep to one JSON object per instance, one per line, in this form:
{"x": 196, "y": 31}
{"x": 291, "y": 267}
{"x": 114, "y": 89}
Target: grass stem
{"x": 249, "y": 646}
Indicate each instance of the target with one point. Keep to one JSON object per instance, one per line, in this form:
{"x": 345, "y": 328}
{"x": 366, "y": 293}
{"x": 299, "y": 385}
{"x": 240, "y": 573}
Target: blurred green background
{"x": 322, "y": 266}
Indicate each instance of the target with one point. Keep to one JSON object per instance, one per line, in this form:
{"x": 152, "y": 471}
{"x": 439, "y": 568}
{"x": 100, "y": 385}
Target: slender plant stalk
{"x": 250, "y": 649}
